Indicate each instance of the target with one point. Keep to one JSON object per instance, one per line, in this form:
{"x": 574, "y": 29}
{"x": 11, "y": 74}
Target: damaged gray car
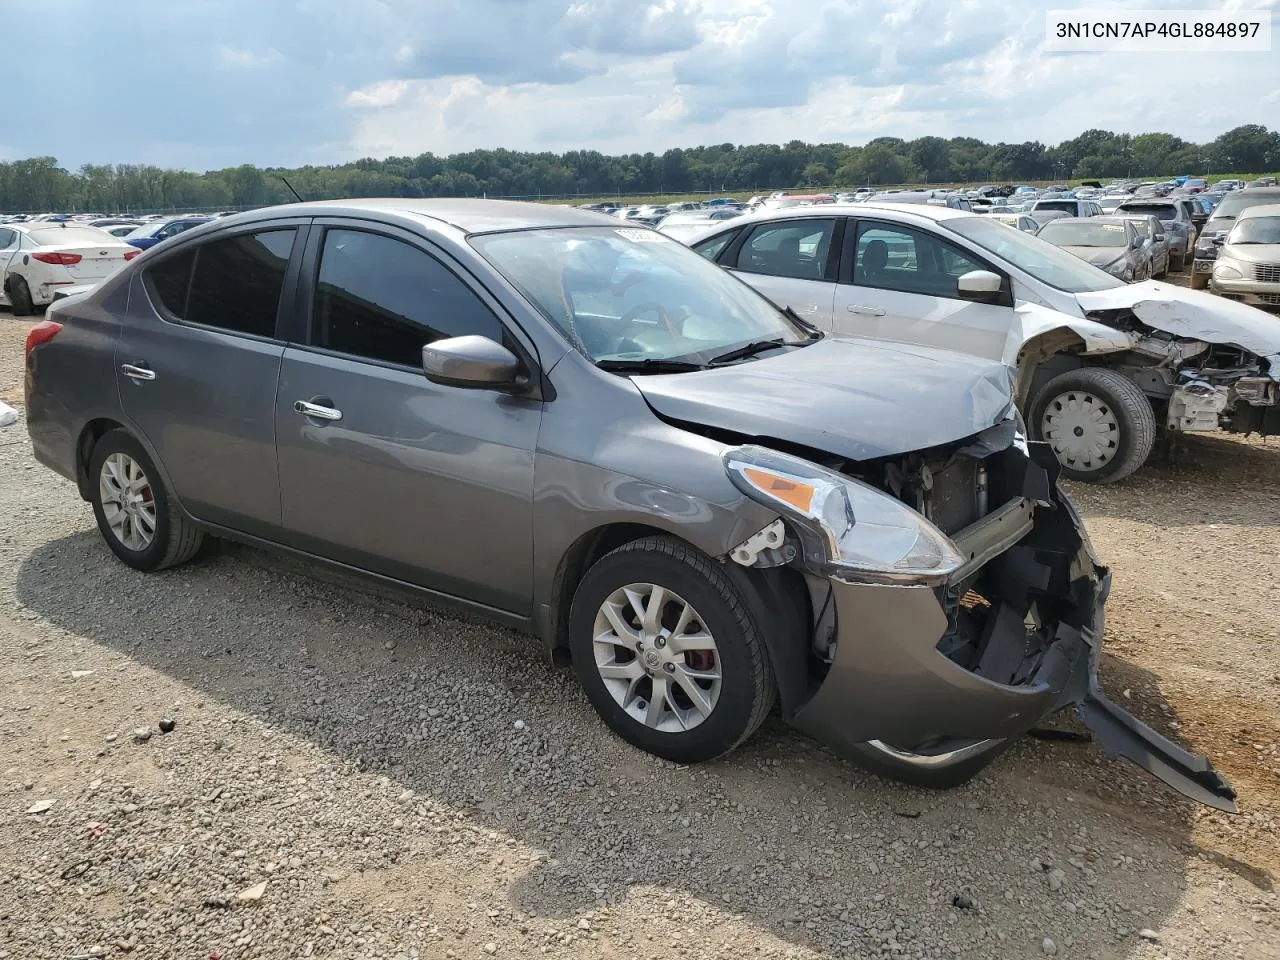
{"x": 584, "y": 430}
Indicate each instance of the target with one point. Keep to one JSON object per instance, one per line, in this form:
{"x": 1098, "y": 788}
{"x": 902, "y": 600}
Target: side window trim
{"x": 298, "y": 334}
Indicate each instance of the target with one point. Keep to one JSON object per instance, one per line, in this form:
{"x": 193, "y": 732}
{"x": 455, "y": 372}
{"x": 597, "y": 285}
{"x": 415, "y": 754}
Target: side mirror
{"x": 471, "y": 361}
{"x": 980, "y": 285}
{"x": 1159, "y": 237}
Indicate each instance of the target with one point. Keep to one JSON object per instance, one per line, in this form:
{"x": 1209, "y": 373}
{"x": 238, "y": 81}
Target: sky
{"x": 204, "y": 84}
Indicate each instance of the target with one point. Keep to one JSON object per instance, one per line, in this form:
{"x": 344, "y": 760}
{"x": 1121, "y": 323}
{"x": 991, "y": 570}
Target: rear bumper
{"x": 890, "y": 681}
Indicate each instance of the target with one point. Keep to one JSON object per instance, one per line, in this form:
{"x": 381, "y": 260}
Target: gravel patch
{"x": 249, "y": 757}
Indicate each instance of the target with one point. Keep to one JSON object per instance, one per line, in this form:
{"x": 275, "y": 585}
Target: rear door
{"x": 898, "y": 282}
{"x": 379, "y": 467}
{"x": 197, "y": 366}
{"x": 792, "y": 262}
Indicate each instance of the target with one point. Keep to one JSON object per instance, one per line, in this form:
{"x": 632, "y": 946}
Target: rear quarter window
{"x": 168, "y": 282}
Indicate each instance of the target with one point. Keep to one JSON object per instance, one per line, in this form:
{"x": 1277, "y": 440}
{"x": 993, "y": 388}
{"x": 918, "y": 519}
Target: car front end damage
{"x": 931, "y": 645}
{"x": 1206, "y": 367}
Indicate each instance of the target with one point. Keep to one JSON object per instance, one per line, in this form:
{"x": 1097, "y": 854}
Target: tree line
{"x": 39, "y": 184}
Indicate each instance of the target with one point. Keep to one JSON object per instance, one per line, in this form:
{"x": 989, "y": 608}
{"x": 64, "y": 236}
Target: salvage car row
{"x": 708, "y": 501}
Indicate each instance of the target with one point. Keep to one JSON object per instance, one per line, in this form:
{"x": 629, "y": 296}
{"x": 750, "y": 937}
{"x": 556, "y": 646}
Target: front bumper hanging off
{"x": 889, "y": 682}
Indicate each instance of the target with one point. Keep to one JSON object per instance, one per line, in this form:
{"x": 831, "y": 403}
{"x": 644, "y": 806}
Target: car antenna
{"x": 291, "y": 190}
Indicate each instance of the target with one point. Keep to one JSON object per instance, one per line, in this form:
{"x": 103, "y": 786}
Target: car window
{"x": 894, "y": 257}
{"x": 1066, "y": 206}
{"x": 169, "y": 281}
{"x": 8, "y": 238}
{"x": 788, "y": 248}
{"x": 713, "y": 247}
{"x": 382, "y": 299}
{"x": 237, "y": 282}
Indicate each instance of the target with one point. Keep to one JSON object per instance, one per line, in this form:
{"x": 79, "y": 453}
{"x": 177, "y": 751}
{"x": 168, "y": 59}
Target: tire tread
{"x": 1135, "y": 412}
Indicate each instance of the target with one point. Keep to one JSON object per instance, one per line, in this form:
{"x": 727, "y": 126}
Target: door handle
{"x": 865, "y": 310}
{"x": 137, "y": 373}
{"x": 316, "y": 411}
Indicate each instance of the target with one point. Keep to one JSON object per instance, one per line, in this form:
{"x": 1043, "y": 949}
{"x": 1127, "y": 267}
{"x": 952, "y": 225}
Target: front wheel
{"x": 1098, "y": 422}
{"x": 669, "y": 652}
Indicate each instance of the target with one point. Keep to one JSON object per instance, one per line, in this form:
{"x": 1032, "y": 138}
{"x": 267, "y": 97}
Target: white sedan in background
{"x": 38, "y": 260}
{"x": 1101, "y": 363}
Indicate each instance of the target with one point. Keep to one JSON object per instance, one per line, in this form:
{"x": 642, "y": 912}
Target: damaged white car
{"x": 1102, "y": 364}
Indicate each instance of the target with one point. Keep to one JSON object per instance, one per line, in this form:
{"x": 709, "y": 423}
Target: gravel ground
{"x": 351, "y": 776}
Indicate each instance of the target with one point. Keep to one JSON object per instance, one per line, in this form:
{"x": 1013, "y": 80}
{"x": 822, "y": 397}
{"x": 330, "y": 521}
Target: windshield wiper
{"x": 803, "y": 324}
{"x": 756, "y": 346}
{"x": 649, "y": 365}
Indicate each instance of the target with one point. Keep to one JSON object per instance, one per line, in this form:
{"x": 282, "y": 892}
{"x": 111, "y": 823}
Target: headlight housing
{"x": 847, "y": 529}
{"x": 1225, "y": 270}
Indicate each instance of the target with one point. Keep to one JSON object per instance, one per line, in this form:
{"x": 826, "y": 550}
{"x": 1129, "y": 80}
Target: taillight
{"x": 130, "y": 254}
{"x": 42, "y": 332}
{"x": 61, "y": 259}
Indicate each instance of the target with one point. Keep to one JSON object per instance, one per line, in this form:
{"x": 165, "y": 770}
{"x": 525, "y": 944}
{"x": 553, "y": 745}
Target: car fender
{"x": 1041, "y": 332}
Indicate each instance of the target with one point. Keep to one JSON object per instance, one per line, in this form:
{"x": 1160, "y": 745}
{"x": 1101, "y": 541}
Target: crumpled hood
{"x": 858, "y": 399}
{"x": 1194, "y": 314}
{"x": 1098, "y": 256}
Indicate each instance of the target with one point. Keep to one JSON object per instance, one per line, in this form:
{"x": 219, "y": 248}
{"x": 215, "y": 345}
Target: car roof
{"x": 1261, "y": 210}
{"x": 470, "y": 215}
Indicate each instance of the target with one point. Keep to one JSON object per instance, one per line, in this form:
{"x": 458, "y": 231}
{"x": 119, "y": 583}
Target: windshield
{"x": 1044, "y": 261}
{"x": 1082, "y": 233}
{"x": 1256, "y": 230}
{"x": 146, "y": 229}
{"x": 1233, "y": 203}
{"x": 625, "y": 294}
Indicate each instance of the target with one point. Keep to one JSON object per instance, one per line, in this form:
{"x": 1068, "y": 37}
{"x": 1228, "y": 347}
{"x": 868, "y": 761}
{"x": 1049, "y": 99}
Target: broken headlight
{"x": 846, "y": 528}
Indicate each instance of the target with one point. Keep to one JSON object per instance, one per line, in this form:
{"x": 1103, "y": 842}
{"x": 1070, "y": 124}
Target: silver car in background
{"x": 585, "y": 430}
{"x": 1112, "y": 244}
{"x": 1177, "y": 224}
{"x": 1248, "y": 264}
{"x": 1156, "y": 242}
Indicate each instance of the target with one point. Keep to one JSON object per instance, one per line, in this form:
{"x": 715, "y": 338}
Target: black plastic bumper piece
{"x": 1119, "y": 733}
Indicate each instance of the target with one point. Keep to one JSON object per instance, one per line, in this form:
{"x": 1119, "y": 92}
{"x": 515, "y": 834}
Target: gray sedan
{"x": 1112, "y": 244}
{"x": 585, "y": 430}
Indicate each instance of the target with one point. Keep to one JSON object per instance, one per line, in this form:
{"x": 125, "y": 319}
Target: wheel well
{"x": 89, "y": 436}
{"x": 577, "y": 560}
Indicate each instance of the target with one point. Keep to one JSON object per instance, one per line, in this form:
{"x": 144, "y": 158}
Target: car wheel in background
{"x": 668, "y": 651}
{"x": 1099, "y": 423}
{"x": 1175, "y": 263}
{"x": 20, "y": 298}
{"x": 136, "y": 516}
{"x": 1199, "y": 281}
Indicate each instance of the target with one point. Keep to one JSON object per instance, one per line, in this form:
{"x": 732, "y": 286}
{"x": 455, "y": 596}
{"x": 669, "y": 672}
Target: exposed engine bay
{"x": 1198, "y": 386}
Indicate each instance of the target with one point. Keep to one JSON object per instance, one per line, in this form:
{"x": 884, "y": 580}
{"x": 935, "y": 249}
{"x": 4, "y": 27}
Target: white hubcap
{"x": 1082, "y": 429}
{"x": 128, "y": 503}
{"x": 656, "y": 657}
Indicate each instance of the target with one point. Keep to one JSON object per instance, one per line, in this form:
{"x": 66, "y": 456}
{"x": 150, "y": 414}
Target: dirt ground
{"x": 409, "y": 784}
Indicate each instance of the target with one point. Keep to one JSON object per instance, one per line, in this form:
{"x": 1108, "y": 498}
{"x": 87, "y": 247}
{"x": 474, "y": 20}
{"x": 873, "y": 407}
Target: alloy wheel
{"x": 128, "y": 502}
{"x": 656, "y": 657}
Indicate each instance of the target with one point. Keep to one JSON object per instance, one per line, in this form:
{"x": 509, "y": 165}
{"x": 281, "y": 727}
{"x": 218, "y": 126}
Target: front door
{"x": 197, "y": 363}
{"x": 791, "y": 263}
{"x": 902, "y": 286}
{"x": 8, "y": 247}
{"x": 379, "y": 467}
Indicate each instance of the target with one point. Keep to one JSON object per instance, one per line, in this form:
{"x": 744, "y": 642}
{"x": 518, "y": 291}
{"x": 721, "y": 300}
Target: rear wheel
{"x": 136, "y": 516}
{"x": 668, "y": 651}
{"x": 1098, "y": 422}
{"x": 20, "y": 297}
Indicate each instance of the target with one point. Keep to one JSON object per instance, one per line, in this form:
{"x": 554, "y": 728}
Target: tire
{"x": 933, "y": 777}
{"x": 1176, "y": 263}
{"x": 746, "y": 689}
{"x": 1199, "y": 281}
{"x": 1078, "y": 399}
{"x": 20, "y": 297}
{"x": 174, "y": 538}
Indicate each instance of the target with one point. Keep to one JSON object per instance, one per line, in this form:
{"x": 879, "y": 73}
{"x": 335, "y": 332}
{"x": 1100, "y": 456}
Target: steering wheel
{"x": 650, "y": 306}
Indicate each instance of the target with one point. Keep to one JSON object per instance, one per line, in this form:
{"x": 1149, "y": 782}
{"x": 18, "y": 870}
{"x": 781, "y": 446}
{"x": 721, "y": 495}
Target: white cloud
{"x": 248, "y": 59}
{"x": 384, "y": 94}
